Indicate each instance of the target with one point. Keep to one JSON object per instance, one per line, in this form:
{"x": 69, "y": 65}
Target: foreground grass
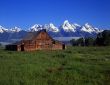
{"x": 74, "y": 66}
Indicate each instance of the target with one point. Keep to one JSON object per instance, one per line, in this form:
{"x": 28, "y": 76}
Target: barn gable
{"x": 43, "y": 35}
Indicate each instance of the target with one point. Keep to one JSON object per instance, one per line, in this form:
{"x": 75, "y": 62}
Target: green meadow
{"x": 73, "y": 66}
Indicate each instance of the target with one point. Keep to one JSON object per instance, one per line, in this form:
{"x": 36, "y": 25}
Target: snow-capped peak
{"x": 87, "y": 28}
{"x": 15, "y": 29}
{"x": 66, "y": 22}
{"x": 90, "y": 29}
{"x": 97, "y": 30}
{"x": 65, "y": 27}
{"x": 2, "y": 29}
{"x": 36, "y": 27}
{"x": 68, "y": 27}
{"x": 53, "y": 28}
{"x": 88, "y": 25}
{"x": 48, "y": 27}
{"x": 77, "y": 25}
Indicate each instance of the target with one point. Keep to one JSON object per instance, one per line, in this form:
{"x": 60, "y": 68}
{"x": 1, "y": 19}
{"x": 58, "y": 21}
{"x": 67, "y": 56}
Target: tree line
{"x": 102, "y": 39}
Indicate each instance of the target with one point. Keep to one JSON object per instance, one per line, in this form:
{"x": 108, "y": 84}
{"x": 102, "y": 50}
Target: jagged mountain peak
{"x": 48, "y": 27}
{"x": 90, "y": 29}
{"x": 15, "y": 29}
{"x": 68, "y": 27}
{"x": 87, "y": 28}
{"x": 53, "y": 27}
{"x": 36, "y": 27}
{"x": 66, "y": 22}
{"x": 3, "y": 29}
{"x": 77, "y": 25}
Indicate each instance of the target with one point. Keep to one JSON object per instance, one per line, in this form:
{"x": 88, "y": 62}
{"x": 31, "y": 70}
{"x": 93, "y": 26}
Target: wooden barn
{"x": 36, "y": 41}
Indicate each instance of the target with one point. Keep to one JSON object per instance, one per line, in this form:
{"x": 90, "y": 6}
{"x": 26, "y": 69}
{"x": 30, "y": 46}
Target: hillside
{"x": 73, "y": 66}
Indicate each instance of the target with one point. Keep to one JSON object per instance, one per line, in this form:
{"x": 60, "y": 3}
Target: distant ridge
{"x": 67, "y": 29}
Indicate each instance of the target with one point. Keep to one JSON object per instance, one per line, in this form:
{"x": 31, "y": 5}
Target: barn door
{"x": 63, "y": 47}
{"x": 22, "y": 47}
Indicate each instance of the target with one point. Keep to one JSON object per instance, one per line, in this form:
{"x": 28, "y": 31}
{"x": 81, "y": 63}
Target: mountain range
{"x": 67, "y": 29}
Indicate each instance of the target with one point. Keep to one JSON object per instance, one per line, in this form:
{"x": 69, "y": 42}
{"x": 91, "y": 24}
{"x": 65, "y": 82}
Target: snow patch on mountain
{"x": 15, "y": 29}
{"x": 90, "y": 29}
{"x": 87, "y": 28}
{"x": 53, "y": 28}
{"x": 77, "y": 25}
{"x": 36, "y": 27}
{"x": 67, "y": 27}
{"x": 50, "y": 27}
{"x": 2, "y": 29}
{"x": 97, "y": 30}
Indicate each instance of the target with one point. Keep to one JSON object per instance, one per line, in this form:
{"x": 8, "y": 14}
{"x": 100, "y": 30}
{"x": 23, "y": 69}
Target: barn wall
{"x": 42, "y": 45}
{"x": 57, "y": 46}
{"x": 29, "y": 47}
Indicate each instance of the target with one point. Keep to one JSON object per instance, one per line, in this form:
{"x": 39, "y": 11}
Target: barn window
{"x": 53, "y": 42}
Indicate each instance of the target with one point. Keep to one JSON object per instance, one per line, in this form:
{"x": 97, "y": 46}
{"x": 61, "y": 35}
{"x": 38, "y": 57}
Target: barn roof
{"x": 32, "y": 35}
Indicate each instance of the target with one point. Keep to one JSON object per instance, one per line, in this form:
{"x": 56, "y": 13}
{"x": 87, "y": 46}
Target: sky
{"x": 25, "y": 13}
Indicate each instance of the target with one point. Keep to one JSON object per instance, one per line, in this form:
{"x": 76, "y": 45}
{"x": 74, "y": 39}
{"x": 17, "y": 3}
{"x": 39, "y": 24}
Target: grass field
{"x": 73, "y": 66}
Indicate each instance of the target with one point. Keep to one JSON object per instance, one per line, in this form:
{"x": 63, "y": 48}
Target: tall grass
{"x": 73, "y": 66}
